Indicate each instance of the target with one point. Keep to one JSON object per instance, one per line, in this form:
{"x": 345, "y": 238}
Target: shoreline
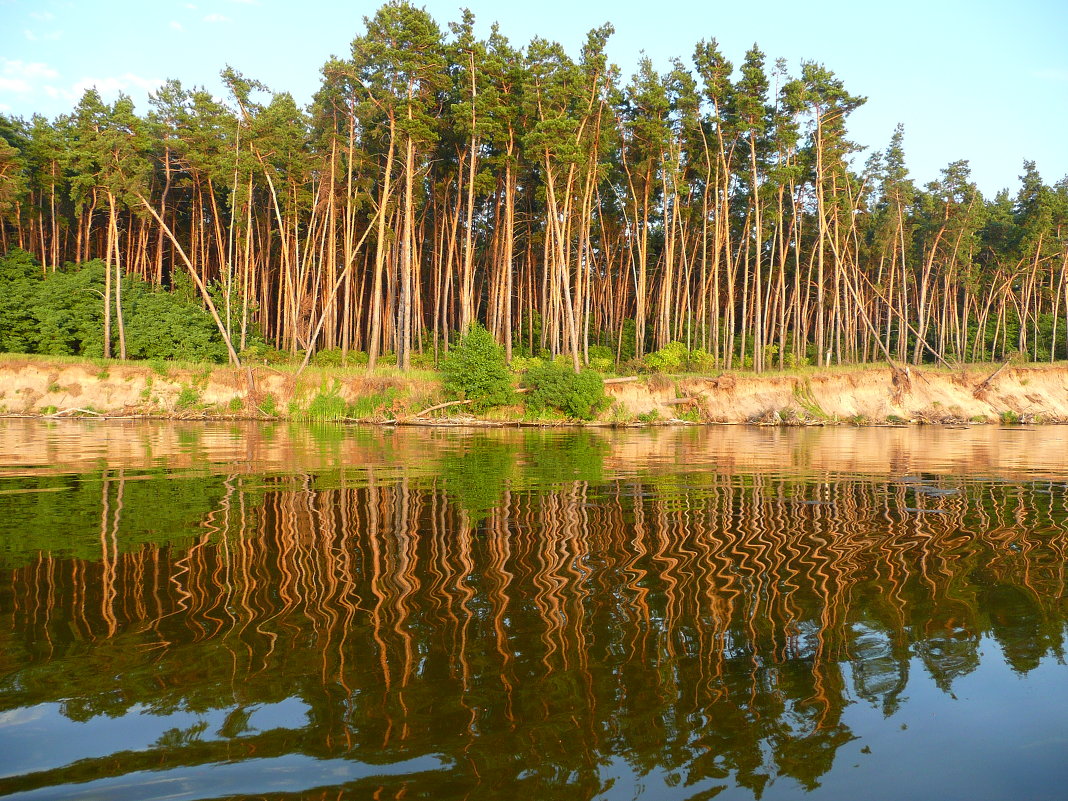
{"x": 864, "y": 395}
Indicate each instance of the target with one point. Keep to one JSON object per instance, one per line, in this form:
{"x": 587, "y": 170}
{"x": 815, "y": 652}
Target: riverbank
{"x": 872, "y": 395}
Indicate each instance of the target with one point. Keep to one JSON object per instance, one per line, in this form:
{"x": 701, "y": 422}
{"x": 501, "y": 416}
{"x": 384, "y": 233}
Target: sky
{"x": 982, "y": 80}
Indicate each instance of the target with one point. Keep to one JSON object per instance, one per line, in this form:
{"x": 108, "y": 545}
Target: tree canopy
{"x": 439, "y": 180}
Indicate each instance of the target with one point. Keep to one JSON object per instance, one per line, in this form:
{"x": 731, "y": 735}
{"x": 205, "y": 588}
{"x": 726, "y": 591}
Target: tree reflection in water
{"x": 524, "y": 617}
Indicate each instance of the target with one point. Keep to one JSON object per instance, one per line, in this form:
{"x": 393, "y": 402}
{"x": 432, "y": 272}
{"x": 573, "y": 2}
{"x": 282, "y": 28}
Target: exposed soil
{"x": 866, "y": 395}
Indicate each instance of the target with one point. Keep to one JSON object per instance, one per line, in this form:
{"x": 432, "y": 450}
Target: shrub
{"x": 672, "y": 358}
{"x": 701, "y": 361}
{"x": 269, "y": 405}
{"x": 557, "y": 386}
{"x": 262, "y": 353}
{"x": 602, "y": 358}
{"x": 20, "y": 277}
{"x": 476, "y": 370}
{"x": 331, "y": 357}
{"x": 62, "y": 313}
{"x": 188, "y": 397}
{"x": 520, "y": 364}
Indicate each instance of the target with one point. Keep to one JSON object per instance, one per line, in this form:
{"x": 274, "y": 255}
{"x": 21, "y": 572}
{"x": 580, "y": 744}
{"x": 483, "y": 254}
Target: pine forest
{"x": 438, "y": 180}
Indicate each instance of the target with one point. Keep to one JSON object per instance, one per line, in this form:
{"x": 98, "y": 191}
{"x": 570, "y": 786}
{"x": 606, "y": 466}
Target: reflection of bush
{"x": 550, "y": 459}
{"x": 476, "y": 475}
{"x": 63, "y": 515}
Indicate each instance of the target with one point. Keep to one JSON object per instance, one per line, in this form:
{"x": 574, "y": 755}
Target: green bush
{"x": 262, "y": 353}
{"x": 520, "y": 364}
{"x": 557, "y": 386}
{"x": 476, "y": 370}
{"x": 62, "y": 313}
{"x": 602, "y": 358}
{"x": 20, "y": 276}
{"x": 187, "y": 398}
{"x": 330, "y": 357}
{"x": 676, "y": 358}
{"x": 672, "y": 358}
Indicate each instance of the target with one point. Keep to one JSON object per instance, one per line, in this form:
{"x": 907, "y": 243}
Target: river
{"x": 193, "y": 611}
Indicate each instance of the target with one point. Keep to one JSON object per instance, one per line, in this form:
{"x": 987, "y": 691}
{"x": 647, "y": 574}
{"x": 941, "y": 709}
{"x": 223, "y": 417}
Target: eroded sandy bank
{"x": 1037, "y": 393}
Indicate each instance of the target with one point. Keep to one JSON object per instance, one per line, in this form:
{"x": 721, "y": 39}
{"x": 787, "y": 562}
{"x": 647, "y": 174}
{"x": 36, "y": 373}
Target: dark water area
{"x": 217, "y": 611}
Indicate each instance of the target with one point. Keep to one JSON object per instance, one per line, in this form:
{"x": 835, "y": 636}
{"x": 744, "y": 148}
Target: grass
{"x": 188, "y": 397}
{"x": 803, "y": 396}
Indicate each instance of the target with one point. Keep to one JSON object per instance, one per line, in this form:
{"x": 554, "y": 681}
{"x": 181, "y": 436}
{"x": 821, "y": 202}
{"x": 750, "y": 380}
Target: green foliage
{"x": 162, "y": 325}
{"x": 269, "y": 405}
{"x": 476, "y": 370}
{"x": 330, "y": 357}
{"x": 19, "y": 279}
{"x": 63, "y": 314}
{"x": 188, "y": 397}
{"x": 602, "y": 358}
{"x": 691, "y": 415}
{"x": 650, "y": 416}
{"x": 68, "y": 307}
{"x": 327, "y": 405}
{"x": 521, "y": 364}
{"x": 557, "y": 386}
{"x": 370, "y": 406}
{"x": 672, "y": 358}
{"x": 807, "y": 401}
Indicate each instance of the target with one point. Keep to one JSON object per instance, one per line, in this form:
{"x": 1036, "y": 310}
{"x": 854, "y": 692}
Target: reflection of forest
{"x": 708, "y": 627}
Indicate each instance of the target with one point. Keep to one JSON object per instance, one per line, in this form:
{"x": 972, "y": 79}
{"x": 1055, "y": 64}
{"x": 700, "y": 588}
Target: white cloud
{"x": 13, "y": 85}
{"x": 117, "y": 83}
{"x": 4, "y": 107}
{"x": 24, "y": 715}
{"x": 27, "y": 69}
{"x": 176, "y": 25}
{"x": 43, "y": 16}
{"x": 108, "y": 87}
{"x": 21, "y": 77}
{"x": 191, "y": 6}
{"x": 216, "y": 18}
{"x": 246, "y": 2}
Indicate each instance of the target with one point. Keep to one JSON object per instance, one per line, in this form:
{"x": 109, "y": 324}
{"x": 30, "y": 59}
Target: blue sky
{"x": 980, "y": 80}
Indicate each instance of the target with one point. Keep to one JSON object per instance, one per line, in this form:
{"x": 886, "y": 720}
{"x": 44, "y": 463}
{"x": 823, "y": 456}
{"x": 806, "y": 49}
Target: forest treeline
{"x": 439, "y": 179}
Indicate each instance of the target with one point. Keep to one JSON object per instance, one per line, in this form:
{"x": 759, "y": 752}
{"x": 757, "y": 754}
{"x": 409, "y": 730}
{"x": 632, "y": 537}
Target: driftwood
{"x": 624, "y": 380}
{"x": 679, "y": 401}
{"x": 443, "y": 406}
{"x": 65, "y": 412}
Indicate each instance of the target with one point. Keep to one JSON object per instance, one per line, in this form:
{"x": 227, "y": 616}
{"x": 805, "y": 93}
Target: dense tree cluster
{"x": 439, "y": 179}
{"x": 62, "y": 313}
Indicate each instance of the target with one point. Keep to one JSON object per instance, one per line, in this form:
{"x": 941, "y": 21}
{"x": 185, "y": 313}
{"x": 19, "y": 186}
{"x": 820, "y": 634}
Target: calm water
{"x": 207, "y": 611}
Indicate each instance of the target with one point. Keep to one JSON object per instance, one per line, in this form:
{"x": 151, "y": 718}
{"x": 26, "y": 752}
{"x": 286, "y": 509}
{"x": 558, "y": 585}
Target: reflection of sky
{"x": 290, "y": 773}
{"x": 999, "y": 736}
{"x": 42, "y": 738}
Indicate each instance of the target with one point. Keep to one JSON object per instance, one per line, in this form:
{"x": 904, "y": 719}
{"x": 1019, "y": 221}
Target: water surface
{"x": 209, "y": 611}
